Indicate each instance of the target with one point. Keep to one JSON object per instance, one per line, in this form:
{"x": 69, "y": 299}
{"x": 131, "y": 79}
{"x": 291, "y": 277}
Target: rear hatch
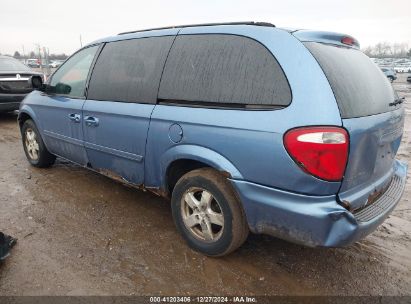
{"x": 372, "y": 114}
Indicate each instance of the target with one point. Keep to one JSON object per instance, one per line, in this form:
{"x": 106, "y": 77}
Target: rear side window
{"x": 359, "y": 86}
{"x": 129, "y": 70}
{"x": 223, "y": 69}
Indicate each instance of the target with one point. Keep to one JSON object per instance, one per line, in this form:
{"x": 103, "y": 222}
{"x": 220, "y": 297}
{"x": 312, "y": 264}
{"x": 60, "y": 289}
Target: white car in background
{"x": 56, "y": 63}
{"x": 403, "y": 69}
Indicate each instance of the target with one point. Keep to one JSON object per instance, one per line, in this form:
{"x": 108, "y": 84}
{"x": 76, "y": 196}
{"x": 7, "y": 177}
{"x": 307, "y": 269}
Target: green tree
{"x": 17, "y": 55}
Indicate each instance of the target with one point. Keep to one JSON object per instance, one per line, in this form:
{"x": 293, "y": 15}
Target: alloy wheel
{"x": 32, "y": 146}
{"x": 202, "y": 214}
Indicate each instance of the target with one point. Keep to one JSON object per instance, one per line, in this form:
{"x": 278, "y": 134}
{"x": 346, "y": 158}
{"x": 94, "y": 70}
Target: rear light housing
{"x": 350, "y": 41}
{"x": 347, "y": 40}
{"x": 319, "y": 151}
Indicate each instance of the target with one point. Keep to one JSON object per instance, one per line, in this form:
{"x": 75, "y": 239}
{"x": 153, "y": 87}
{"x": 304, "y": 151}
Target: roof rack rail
{"x": 204, "y": 24}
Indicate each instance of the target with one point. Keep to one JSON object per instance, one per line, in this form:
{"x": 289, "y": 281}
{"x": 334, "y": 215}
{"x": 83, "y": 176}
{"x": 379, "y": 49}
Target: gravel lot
{"x": 83, "y": 234}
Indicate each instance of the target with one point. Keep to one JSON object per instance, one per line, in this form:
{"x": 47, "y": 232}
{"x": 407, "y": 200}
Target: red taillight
{"x": 320, "y": 151}
{"x": 348, "y": 40}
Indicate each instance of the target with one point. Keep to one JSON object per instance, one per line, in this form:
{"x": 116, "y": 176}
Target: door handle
{"x": 91, "y": 121}
{"x": 75, "y": 117}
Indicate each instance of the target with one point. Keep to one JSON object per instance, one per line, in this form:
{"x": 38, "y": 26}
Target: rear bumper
{"x": 315, "y": 220}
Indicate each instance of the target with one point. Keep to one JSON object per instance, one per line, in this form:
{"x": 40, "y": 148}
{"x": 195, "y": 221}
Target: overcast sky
{"x": 58, "y": 24}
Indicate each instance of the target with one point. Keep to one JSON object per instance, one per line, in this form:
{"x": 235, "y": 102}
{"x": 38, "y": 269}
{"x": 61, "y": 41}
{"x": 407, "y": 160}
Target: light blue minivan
{"x": 244, "y": 126}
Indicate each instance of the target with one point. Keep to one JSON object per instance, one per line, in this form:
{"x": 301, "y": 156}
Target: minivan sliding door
{"x": 121, "y": 96}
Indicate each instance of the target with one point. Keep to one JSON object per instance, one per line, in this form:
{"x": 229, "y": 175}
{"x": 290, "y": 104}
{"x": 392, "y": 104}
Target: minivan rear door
{"x": 372, "y": 114}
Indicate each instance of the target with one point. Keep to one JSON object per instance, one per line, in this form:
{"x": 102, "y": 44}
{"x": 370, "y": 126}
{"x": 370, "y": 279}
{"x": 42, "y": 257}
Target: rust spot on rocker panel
{"x": 156, "y": 190}
{"x": 159, "y": 192}
{"x": 114, "y": 176}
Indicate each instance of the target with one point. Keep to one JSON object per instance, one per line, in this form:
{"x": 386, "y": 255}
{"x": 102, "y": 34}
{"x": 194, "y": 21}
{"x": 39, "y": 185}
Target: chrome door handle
{"x": 91, "y": 121}
{"x": 75, "y": 117}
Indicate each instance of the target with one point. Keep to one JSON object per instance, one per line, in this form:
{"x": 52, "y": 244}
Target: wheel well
{"x": 22, "y": 118}
{"x": 178, "y": 168}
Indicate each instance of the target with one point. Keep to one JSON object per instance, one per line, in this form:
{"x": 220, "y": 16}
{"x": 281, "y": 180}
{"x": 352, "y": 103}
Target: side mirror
{"x": 37, "y": 83}
{"x": 62, "y": 88}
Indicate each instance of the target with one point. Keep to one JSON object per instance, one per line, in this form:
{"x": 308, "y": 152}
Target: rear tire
{"x": 34, "y": 148}
{"x": 208, "y": 214}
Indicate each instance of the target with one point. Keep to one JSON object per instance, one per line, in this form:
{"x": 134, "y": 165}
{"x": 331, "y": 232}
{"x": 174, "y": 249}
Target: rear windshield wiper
{"x": 397, "y": 101}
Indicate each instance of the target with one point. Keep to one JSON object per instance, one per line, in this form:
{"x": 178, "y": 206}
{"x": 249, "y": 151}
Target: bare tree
{"x": 396, "y": 49}
{"x": 385, "y": 49}
{"x": 17, "y": 55}
{"x": 58, "y": 56}
{"x": 369, "y": 51}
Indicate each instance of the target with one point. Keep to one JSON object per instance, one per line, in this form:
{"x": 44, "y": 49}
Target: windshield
{"x": 11, "y": 64}
{"x": 359, "y": 86}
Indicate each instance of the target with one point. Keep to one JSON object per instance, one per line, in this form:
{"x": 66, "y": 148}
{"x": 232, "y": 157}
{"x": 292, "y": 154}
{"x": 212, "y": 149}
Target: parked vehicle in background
{"x": 236, "y": 132}
{"x": 45, "y": 64}
{"x": 56, "y": 63}
{"x": 402, "y": 69}
{"x": 390, "y": 73}
{"x": 15, "y": 83}
{"x": 33, "y": 63}
{"x": 409, "y": 78}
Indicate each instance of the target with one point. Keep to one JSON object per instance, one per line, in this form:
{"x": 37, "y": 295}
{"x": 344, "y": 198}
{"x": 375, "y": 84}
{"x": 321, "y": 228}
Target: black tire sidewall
{"x": 218, "y": 247}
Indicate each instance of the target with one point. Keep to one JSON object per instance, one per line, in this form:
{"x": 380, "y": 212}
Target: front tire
{"x": 208, "y": 214}
{"x": 34, "y": 148}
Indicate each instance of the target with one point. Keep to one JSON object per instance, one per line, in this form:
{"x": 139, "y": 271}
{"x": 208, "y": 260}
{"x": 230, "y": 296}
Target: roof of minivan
{"x": 301, "y": 34}
{"x": 173, "y": 30}
{"x": 204, "y": 24}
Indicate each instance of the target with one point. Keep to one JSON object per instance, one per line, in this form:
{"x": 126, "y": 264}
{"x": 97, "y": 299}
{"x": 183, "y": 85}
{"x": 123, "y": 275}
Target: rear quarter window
{"x": 359, "y": 86}
{"x": 223, "y": 70}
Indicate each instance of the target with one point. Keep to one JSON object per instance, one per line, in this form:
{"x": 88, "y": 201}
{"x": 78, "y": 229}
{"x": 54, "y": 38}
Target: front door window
{"x": 70, "y": 79}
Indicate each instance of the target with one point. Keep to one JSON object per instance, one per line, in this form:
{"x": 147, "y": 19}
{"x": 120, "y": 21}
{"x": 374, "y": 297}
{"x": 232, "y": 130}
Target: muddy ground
{"x": 83, "y": 234}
